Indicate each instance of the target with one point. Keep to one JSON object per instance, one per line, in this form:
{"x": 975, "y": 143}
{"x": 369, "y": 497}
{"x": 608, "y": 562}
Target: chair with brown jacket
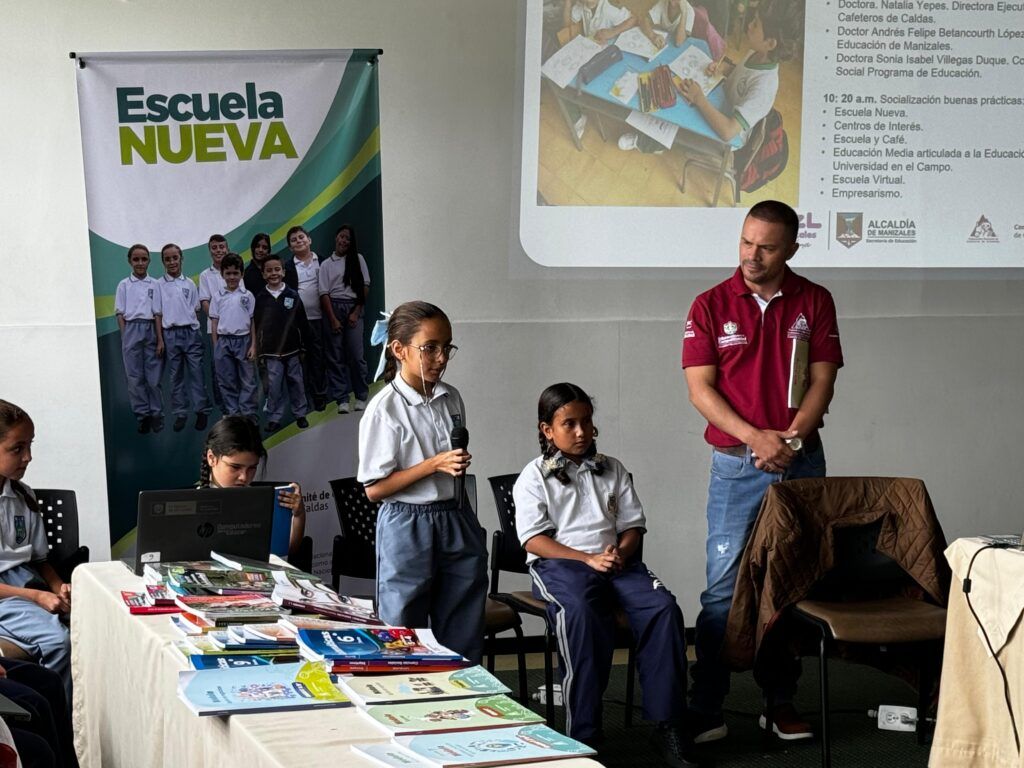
{"x": 856, "y": 559}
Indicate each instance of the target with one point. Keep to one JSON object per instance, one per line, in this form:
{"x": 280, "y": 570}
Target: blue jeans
{"x": 734, "y": 499}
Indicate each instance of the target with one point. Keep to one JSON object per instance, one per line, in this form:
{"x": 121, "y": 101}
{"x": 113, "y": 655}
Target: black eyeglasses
{"x": 436, "y": 351}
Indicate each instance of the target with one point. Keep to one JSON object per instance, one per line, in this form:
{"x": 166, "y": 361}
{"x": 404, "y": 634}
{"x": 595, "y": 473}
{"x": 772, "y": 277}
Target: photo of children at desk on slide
{"x": 670, "y": 102}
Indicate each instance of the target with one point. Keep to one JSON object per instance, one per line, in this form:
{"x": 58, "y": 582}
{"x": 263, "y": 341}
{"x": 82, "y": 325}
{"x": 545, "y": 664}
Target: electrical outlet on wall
{"x": 893, "y": 718}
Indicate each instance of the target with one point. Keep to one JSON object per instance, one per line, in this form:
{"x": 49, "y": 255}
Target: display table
{"x": 127, "y": 712}
{"x": 973, "y": 727}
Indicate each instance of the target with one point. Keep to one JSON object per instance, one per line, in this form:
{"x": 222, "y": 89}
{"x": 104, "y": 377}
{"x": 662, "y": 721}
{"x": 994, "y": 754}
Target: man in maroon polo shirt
{"x": 760, "y": 352}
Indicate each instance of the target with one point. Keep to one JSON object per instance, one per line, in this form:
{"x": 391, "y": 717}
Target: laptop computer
{"x": 188, "y": 524}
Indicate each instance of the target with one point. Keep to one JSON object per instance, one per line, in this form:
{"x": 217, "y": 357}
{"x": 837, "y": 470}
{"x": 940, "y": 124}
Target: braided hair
{"x": 551, "y": 399}
{"x": 232, "y": 434}
{"x": 10, "y": 417}
{"x": 353, "y": 276}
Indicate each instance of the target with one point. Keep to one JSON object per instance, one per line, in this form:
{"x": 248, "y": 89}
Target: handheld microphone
{"x": 460, "y": 439}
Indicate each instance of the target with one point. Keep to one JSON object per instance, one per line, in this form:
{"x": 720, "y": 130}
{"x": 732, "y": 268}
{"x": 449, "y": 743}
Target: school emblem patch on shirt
{"x": 244, "y": 302}
{"x": 149, "y": 293}
{"x": 732, "y": 337}
{"x": 289, "y": 302}
{"x": 20, "y": 531}
{"x": 456, "y": 419}
{"x": 613, "y": 505}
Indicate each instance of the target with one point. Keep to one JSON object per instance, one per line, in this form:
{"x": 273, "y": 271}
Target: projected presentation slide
{"x": 891, "y": 126}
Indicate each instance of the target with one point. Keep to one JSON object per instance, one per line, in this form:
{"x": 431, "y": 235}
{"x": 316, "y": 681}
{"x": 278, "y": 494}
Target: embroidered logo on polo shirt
{"x": 732, "y": 337}
{"x": 244, "y": 302}
{"x": 149, "y": 293}
{"x": 289, "y": 302}
{"x": 799, "y": 329}
{"x": 688, "y": 330}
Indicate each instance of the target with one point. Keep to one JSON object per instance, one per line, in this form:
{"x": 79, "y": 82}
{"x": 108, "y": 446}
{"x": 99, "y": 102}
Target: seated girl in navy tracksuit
{"x": 581, "y": 524}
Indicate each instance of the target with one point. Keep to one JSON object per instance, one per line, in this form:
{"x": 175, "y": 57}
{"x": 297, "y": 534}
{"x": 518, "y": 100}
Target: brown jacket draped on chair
{"x": 790, "y": 548}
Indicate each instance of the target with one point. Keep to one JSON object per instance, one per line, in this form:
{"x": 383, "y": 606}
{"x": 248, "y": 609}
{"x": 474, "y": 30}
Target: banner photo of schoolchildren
{"x": 234, "y": 207}
{"x": 668, "y": 102}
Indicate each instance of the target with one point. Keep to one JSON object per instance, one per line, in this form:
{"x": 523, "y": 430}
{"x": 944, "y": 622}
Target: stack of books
{"x": 304, "y": 596}
{"x": 447, "y": 719}
{"x": 377, "y": 649}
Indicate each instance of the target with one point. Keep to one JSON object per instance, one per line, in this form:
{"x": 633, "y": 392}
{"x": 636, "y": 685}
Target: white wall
{"x": 934, "y": 367}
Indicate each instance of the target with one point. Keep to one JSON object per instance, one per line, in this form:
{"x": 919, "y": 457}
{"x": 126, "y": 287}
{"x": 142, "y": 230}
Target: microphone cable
{"x": 991, "y": 650}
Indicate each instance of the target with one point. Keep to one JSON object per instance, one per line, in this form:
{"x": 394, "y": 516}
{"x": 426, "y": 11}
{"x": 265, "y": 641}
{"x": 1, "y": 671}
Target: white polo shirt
{"x": 604, "y": 16}
{"x": 309, "y": 285}
{"x": 22, "y": 535}
{"x": 179, "y": 300}
{"x": 332, "y": 278}
{"x": 137, "y": 299}
{"x": 233, "y": 311}
{"x": 588, "y": 514}
{"x": 750, "y": 90}
{"x": 399, "y": 430}
{"x": 210, "y": 284}
{"x": 661, "y": 16}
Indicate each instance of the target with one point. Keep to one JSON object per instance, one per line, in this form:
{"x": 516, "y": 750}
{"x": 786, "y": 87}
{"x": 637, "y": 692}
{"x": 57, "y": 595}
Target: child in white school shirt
{"x": 33, "y": 596}
{"x": 183, "y": 344}
{"x": 581, "y": 524}
{"x": 431, "y": 556}
{"x": 234, "y": 348}
{"x": 138, "y": 309}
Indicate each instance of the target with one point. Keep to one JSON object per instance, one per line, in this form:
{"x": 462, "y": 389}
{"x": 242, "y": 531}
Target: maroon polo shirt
{"x": 725, "y": 328}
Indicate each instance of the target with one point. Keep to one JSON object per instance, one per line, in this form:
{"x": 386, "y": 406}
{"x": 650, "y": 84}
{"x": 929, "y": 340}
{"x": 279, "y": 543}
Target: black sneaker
{"x": 704, "y": 728}
{"x": 179, "y": 423}
{"x": 301, "y": 422}
{"x": 319, "y": 404}
{"x": 673, "y": 747}
{"x": 158, "y": 423}
{"x": 145, "y": 424}
{"x": 201, "y": 421}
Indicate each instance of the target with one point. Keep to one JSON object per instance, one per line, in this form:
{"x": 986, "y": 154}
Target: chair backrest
{"x": 357, "y": 516}
{"x": 506, "y": 552}
{"x": 858, "y": 567}
{"x": 59, "y": 509}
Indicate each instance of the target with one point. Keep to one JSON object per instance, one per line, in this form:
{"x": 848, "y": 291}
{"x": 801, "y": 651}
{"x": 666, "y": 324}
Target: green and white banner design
{"x": 179, "y": 146}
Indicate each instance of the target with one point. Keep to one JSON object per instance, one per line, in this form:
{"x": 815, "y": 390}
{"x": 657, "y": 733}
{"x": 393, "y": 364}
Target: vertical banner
{"x": 203, "y": 152}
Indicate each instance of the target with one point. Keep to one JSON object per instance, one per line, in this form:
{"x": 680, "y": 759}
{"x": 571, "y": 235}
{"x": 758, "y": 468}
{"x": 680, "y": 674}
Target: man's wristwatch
{"x": 794, "y": 443}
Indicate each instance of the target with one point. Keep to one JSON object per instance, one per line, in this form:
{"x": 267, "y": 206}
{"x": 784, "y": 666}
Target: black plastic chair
{"x": 508, "y": 555}
{"x": 59, "y": 509}
{"x": 859, "y": 601}
{"x": 355, "y": 556}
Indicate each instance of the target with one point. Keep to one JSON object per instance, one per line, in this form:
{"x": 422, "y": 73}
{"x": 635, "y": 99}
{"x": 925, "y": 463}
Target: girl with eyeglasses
{"x": 431, "y": 556}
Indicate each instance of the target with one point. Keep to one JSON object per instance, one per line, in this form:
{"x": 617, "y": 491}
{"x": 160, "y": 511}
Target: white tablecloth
{"x": 127, "y": 713}
{"x": 973, "y": 728}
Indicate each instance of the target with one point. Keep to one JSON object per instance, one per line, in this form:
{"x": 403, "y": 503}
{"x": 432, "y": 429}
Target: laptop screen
{"x": 189, "y": 524}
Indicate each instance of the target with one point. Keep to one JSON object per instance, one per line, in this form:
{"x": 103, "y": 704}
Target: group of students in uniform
{"x": 294, "y": 324}
{"x": 577, "y": 516}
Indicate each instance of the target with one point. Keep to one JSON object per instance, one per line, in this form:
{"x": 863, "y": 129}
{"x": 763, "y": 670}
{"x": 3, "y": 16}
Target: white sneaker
{"x": 343, "y": 407}
{"x": 360, "y": 405}
{"x": 579, "y": 126}
{"x": 628, "y": 141}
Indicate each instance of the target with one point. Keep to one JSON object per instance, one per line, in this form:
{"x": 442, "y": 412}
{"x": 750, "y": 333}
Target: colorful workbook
{"x": 374, "y": 644}
{"x": 200, "y": 645}
{"x": 206, "y": 661}
{"x": 295, "y": 622}
{"x": 427, "y": 686}
{"x": 692, "y": 64}
{"x": 495, "y": 746}
{"x": 263, "y": 688}
{"x": 446, "y": 716}
{"x": 309, "y": 597}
